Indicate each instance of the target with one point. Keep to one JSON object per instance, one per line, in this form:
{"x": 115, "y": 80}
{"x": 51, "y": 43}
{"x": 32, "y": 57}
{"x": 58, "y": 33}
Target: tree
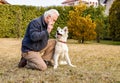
{"x": 114, "y": 20}
{"x": 99, "y": 29}
{"x": 97, "y": 15}
{"x": 81, "y": 27}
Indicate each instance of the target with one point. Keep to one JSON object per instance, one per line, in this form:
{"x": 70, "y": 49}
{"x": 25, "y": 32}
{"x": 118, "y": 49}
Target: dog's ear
{"x": 58, "y": 28}
{"x": 66, "y": 29}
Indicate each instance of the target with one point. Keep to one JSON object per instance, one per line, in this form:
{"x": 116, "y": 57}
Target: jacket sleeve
{"x": 36, "y": 33}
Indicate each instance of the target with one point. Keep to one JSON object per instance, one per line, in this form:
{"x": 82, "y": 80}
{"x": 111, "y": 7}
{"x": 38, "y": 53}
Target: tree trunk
{"x": 82, "y": 41}
{"x": 98, "y": 38}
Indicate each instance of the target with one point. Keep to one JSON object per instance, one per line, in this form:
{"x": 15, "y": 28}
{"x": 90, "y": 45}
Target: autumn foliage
{"x": 81, "y": 27}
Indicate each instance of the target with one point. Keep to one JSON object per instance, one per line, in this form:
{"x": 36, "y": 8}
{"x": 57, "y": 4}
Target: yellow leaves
{"x": 81, "y": 26}
{"x": 80, "y": 7}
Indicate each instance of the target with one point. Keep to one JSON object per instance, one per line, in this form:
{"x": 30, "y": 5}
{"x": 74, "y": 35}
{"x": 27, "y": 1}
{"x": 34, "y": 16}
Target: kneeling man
{"x": 36, "y": 40}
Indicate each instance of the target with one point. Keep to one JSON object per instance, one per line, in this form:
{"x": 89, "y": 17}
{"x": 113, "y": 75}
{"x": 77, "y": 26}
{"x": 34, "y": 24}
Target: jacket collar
{"x": 43, "y": 21}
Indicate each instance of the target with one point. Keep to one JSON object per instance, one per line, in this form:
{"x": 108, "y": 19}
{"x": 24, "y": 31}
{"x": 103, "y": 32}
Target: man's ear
{"x": 47, "y": 19}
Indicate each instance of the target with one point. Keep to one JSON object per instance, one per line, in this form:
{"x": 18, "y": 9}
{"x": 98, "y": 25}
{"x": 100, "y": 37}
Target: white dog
{"x": 61, "y": 48}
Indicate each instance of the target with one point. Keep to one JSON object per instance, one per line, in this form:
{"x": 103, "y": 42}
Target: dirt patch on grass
{"x": 96, "y": 63}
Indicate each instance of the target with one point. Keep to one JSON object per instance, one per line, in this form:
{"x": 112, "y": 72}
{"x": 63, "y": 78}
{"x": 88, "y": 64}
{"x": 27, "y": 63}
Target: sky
{"x": 36, "y": 2}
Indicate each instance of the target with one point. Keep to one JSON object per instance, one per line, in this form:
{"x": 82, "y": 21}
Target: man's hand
{"x": 49, "y": 28}
{"x": 50, "y": 25}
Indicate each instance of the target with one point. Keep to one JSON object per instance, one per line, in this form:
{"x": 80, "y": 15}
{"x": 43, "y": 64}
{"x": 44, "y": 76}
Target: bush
{"x": 81, "y": 27}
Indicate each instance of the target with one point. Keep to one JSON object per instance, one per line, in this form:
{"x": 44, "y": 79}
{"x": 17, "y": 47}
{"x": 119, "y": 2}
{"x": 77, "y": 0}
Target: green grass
{"x": 107, "y": 42}
{"x": 110, "y": 42}
{"x": 96, "y": 63}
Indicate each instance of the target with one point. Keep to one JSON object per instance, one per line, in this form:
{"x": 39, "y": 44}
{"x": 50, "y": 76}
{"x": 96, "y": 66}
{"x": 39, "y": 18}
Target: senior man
{"x": 36, "y": 40}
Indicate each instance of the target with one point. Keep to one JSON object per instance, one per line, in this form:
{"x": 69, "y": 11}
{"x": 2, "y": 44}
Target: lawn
{"x": 96, "y": 63}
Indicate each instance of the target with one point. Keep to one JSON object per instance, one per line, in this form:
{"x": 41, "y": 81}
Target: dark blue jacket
{"x": 36, "y": 36}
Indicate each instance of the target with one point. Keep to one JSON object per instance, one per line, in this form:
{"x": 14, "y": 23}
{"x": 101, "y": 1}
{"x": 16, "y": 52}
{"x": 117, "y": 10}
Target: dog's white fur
{"x": 61, "y": 48}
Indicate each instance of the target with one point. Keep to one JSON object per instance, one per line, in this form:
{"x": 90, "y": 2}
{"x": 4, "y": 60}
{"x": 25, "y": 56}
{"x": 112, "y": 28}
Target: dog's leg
{"x": 56, "y": 56}
{"x": 68, "y": 60}
{"x": 62, "y": 59}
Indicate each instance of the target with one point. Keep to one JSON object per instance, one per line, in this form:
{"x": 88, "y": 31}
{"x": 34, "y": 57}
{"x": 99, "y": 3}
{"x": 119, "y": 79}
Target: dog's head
{"x": 62, "y": 34}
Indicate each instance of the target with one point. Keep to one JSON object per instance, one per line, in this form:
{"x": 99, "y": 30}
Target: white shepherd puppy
{"x": 61, "y": 48}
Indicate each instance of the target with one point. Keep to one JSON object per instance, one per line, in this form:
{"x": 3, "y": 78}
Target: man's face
{"x": 52, "y": 19}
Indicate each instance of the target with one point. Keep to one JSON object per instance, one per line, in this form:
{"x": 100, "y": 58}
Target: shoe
{"x": 48, "y": 63}
{"x": 22, "y": 62}
{"x": 30, "y": 65}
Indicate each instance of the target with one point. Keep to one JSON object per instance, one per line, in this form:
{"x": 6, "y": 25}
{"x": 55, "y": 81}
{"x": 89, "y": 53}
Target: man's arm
{"x": 36, "y": 34}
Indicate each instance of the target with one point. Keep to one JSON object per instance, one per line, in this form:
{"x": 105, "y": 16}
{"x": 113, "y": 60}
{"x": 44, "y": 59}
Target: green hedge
{"x": 14, "y": 19}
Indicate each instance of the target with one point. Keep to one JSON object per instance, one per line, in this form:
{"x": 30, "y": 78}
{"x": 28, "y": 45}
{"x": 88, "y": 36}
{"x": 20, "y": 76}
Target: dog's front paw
{"x": 55, "y": 66}
{"x": 73, "y": 65}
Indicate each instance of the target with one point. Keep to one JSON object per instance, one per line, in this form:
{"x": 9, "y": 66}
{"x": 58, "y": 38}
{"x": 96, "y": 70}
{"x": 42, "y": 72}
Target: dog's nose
{"x": 57, "y": 31}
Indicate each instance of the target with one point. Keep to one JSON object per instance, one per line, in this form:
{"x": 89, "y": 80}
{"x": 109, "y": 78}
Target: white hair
{"x": 51, "y": 12}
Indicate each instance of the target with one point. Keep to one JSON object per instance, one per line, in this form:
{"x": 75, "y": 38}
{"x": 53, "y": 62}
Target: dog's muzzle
{"x": 59, "y": 33}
